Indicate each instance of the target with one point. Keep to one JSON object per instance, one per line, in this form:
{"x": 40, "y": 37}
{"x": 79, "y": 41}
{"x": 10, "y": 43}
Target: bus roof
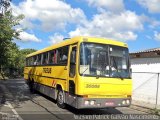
{"x": 73, "y": 40}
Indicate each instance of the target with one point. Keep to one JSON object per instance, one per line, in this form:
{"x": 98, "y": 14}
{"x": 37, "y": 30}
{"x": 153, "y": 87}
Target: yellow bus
{"x": 83, "y": 72}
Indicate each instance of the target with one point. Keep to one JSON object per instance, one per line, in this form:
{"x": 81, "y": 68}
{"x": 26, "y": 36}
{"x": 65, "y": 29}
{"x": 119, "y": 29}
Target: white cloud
{"x": 50, "y": 14}
{"x": 156, "y": 35}
{"x": 151, "y": 22}
{"x": 56, "y": 38}
{"x": 111, "y": 5}
{"x": 24, "y": 36}
{"x": 154, "y": 23}
{"x": 116, "y": 26}
{"x": 153, "y": 6}
{"x": 111, "y": 21}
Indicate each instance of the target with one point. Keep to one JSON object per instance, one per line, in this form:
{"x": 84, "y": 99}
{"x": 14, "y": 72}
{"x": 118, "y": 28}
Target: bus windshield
{"x": 103, "y": 60}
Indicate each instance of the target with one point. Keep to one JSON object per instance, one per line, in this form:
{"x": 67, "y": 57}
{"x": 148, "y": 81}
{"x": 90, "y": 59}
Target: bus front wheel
{"x": 60, "y": 99}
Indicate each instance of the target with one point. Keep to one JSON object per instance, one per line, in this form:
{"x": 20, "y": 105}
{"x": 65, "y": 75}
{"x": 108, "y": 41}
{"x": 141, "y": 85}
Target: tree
{"x": 8, "y": 22}
{"x": 17, "y": 62}
{"x": 20, "y": 60}
{"x": 4, "y": 5}
{"x": 8, "y": 32}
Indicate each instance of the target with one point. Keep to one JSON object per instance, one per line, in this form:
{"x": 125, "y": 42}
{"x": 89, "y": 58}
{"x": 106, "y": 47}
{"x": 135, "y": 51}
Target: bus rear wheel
{"x": 60, "y": 99}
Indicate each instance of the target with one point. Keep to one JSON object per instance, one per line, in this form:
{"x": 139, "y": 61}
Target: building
{"x": 146, "y": 74}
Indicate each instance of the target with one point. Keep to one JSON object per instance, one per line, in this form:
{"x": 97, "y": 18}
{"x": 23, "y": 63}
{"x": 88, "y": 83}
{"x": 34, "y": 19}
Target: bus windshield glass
{"x": 103, "y": 60}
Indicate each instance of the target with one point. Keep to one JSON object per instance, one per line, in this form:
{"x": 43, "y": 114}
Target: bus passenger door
{"x": 72, "y": 70}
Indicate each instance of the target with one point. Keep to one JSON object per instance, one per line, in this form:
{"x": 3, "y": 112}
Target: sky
{"x": 47, "y": 22}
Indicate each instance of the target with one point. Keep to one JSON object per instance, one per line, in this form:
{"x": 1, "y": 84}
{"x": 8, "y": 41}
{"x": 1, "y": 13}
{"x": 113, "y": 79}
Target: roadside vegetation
{"x": 12, "y": 58}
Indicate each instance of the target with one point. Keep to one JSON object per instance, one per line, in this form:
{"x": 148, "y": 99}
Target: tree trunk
{"x": 1, "y": 73}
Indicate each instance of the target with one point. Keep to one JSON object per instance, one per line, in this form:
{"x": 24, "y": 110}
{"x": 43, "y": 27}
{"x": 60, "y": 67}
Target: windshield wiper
{"x": 117, "y": 69}
{"x": 85, "y": 70}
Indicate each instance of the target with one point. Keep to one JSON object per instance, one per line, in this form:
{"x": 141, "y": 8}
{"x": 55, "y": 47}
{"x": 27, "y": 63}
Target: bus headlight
{"x": 123, "y": 102}
{"x": 92, "y": 102}
{"x": 86, "y": 102}
{"x": 127, "y": 101}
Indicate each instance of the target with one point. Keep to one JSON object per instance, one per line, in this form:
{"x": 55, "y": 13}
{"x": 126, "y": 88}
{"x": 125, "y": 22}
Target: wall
{"x": 145, "y": 65}
{"x": 145, "y": 76}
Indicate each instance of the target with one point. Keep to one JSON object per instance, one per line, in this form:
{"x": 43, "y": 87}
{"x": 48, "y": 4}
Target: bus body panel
{"x": 104, "y": 87}
{"x": 43, "y": 76}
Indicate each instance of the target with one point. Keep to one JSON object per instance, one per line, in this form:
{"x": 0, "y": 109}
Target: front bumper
{"x": 80, "y": 102}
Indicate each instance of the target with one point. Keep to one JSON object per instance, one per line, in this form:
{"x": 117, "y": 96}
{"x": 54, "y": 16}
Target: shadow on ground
{"x": 17, "y": 92}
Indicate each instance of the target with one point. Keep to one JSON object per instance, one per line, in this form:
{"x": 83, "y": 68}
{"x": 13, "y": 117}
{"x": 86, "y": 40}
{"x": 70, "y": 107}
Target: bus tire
{"x": 60, "y": 99}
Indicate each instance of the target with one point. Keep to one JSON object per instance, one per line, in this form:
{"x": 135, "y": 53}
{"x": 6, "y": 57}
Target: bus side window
{"x": 55, "y": 57}
{"x": 62, "y": 55}
{"x": 35, "y": 60}
{"x": 32, "y": 61}
{"x": 39, "y": 59}
{"x": 26, "y": 62}
{"x": 52, "y": 57}
{"x": 58, "y": 56}
{"x": 45, "y": 58}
